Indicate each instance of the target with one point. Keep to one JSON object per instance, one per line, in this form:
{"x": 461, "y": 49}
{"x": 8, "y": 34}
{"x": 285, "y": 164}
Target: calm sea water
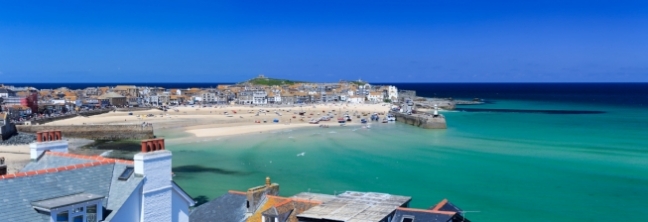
{"x": 498, "y": 159}
{"x": 507, "y": 166}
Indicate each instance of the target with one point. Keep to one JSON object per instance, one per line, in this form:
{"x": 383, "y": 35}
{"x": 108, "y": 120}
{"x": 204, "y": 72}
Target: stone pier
{"x": 96, "y": 132}
{"x": 423, "y": 121}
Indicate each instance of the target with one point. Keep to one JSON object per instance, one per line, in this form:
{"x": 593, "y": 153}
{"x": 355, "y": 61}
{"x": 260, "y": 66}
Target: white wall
{"x": 180, "y": 208}
{"x": 156, "y": 193}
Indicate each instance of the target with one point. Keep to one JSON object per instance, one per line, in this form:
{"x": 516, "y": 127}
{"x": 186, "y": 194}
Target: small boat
{"x": 385, "y": 120}
{"x": 363, "y": 121}
{"x": 341, "y": 120}
{"x": 391, "y": 117}
{"x": 313, "y": 121}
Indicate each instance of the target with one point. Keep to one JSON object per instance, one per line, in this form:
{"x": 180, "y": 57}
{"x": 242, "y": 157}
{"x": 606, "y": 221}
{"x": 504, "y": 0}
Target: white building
{"x": 209, "y": 97}
{"x": 392, "y": 93}
{"x": 260, "y": 97}
{"x": 375, "y": 97}
{"x": 356, "y": 99}
{"x": 57, "y": 186}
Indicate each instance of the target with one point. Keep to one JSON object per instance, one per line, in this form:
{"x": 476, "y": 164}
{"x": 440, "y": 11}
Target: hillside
{"x": 271, "y": 81}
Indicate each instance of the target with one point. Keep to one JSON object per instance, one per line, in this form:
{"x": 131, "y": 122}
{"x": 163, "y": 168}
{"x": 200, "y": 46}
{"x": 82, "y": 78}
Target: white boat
{"x": 391, "y": 117}
{"x": 313, "y": 121}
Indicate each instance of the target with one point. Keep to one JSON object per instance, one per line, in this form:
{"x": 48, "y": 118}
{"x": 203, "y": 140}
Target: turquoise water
{"x": 506, "y": 166}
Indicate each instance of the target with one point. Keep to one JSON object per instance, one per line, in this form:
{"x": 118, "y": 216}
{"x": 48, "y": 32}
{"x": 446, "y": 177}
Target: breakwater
{"x": 423, "y": 121}
{"x": 44, "y": 120}
{"x": 96, "y": 132}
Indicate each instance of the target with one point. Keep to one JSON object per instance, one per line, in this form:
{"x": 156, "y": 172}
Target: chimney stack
{"x": 47, "y": 141}
{"x": 3, "y": 166}
{"x": 154, "y": 163}
{"x": 255, "y": 195}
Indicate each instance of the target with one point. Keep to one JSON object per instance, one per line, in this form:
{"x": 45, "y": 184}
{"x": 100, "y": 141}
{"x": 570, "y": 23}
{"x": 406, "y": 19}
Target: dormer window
{"x": 79, "y": 207}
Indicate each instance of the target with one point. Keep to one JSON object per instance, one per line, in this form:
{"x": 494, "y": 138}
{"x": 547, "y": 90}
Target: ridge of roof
{"x": 57, "y": 169}
{"x": 440, "y": 204}
{"x": 237, "y": 192}
{"x": 450, "y": 213}
{"x": 99, "y": 161}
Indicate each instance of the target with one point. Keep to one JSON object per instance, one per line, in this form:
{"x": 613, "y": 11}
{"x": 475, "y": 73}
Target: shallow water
{"x": 509, "y": 166}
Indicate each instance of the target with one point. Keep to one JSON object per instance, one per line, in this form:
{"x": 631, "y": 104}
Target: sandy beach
{"x": 231, "y": 120}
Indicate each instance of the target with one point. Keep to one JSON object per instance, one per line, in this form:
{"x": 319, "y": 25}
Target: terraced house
{"x": 58, "y": 186}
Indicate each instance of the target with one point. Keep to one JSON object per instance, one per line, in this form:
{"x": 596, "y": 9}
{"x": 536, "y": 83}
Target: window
{"x": 77, "y": 210}
{"x": 62, "y": 216}
{"x": 126, "y": 174}
{"x": 408, "y": 219}
{"x": 91, "y": 213}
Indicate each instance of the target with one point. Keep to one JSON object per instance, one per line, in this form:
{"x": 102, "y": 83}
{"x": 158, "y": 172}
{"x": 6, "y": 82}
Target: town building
{"x": 263, "y": 203}
{"x": 58, "y": 186}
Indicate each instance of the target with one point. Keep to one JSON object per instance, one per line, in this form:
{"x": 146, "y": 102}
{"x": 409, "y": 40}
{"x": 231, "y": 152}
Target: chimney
{"x": 47, "y": 141}
{"x": 3, "y": 166}
{"x": 154, "y": 164}
{"x": 255, "y": 195}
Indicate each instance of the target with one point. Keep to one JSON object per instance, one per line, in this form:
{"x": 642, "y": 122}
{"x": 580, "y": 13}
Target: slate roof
{"x": 229, "y": 207}
{"x": 60, "y": 174}
{"x": 51, "y": 161}
{"x": 18, "y": 193}
{"x": 446, "y": 206}
{"x": 427, "y": 215}
{"x": 120, "y": 190}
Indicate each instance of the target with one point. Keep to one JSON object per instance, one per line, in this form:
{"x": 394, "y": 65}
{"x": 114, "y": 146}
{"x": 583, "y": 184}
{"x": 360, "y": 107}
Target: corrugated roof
{"x": 357, "y": 206}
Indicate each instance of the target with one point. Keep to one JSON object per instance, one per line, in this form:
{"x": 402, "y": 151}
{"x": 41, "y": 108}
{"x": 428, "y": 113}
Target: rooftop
{"x": 357, "y": 206}
{"x": 67, "y": 200}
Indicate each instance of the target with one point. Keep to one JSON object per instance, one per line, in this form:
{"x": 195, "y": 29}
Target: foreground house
{"x": 263, "y": 204}
{"x": 58, "y": 186}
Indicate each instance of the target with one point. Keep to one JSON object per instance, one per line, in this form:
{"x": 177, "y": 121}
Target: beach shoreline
{"x": 232, "y": 120}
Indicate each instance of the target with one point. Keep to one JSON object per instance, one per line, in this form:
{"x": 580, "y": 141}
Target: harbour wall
{"x": 423, "y": 121}
{"x": 95, "y": 132}
{"x": 67, "y": 116}
{"x": 132, "y": 109}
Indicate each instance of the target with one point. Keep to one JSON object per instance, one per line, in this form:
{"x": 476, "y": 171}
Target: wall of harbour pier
{"x": 423, "y": 121}
{"x": 95, "y": 132}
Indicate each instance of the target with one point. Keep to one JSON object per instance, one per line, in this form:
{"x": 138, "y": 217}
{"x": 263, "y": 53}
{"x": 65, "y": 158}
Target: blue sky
{"x": 379, "y": 41}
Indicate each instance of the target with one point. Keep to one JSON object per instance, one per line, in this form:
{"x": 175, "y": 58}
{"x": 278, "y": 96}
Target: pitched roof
{"x": 423, "y": 215}
{"x": 62, "y": 174}
{"x": 19, "y": 192}
{"x": 445, "y": 205}
{"x": 228, "y": 207}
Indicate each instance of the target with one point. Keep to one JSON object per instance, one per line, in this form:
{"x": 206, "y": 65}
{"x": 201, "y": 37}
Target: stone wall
{"x": 96, "y": 132}
{"x": 423, "y": 121}
{"x": 67, "y": 116}
{"x": 131, "y": 109}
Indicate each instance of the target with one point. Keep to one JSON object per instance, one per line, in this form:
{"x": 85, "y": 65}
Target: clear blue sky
{"x": 379, "y": 41}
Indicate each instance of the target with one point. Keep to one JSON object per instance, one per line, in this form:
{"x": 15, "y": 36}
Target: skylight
{"x": 126, "y": 174}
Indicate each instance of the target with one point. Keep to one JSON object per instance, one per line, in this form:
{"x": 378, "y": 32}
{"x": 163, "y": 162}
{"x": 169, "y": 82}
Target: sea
{"x": 530, "y": 152}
